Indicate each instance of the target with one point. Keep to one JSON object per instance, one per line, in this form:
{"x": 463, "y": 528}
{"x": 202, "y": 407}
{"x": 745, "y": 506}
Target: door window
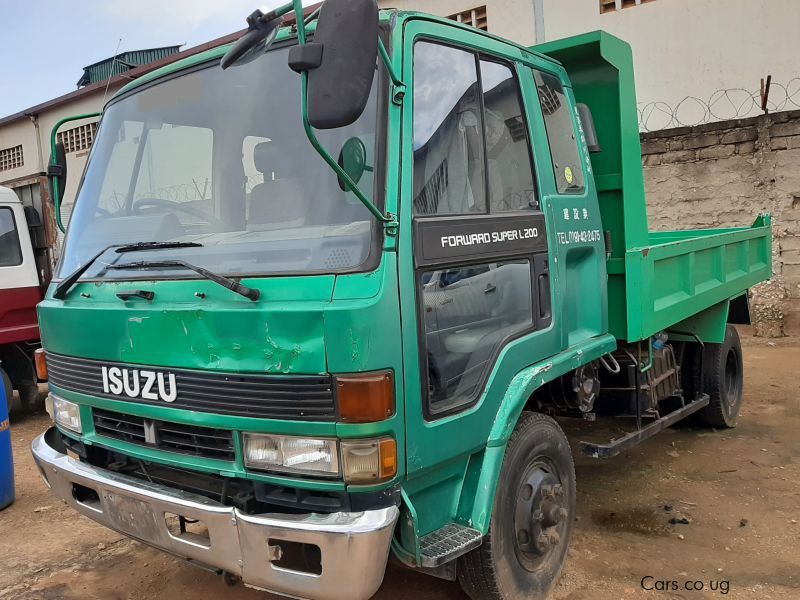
{"x": 567, "y": 166}
{"x": 508, "y": 160}
{"x": 470, "y": 312}
{"x": 448, "y": 137}
{"x": 470, "y": 135}
{"x": 10, "y": 251}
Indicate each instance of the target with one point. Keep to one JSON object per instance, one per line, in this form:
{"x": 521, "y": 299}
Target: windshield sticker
{"x": 568, "y": 175}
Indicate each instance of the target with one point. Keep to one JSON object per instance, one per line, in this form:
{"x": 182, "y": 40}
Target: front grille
{"x": 296, "y": 397}
{"x": 173, "y": 437}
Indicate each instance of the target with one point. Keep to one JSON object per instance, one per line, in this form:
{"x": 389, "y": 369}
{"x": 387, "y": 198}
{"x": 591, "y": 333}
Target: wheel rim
{"x": 732, "y": 380}
{"x": 540, "y": 516}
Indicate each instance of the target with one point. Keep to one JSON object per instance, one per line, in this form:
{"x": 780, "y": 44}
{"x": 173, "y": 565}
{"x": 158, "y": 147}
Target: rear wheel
{"x": 723, "y": 380}
{"x": 532, "y": 521}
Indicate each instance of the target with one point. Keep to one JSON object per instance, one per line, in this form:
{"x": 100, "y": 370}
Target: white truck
{"x": 21, "y": 285}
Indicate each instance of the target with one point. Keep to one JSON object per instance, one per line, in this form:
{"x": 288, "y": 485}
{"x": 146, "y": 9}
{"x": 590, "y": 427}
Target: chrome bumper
{"x": 354, "y": 547}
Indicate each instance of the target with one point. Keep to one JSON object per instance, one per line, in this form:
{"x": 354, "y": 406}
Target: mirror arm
{"x": 282, "y": 10}
{"x": 53, "y": 140}
{"x": 299, "y": 18}
{"x": 387, "y": 62}
{"x": 349, "y": 183}
{"x": 312, "y": 16}
{"x": 388, "y": 219}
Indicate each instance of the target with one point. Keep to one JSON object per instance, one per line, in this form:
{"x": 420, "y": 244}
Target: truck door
{"x": 481, "y": 284}
{"x": 19, "y": 282}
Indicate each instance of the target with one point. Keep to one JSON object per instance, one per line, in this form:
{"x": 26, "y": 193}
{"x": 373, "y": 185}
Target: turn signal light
{"x": 40, "y": 361}
{"x": 365, "y": 397}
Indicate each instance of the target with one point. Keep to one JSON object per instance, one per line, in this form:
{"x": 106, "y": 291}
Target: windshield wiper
{"x": 62, "y": 288}
{"x": 232, "y": 285}
{"x": 155, "y": 246}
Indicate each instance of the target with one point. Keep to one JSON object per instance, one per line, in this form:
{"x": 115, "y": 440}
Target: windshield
{"x": 220, "y": 158}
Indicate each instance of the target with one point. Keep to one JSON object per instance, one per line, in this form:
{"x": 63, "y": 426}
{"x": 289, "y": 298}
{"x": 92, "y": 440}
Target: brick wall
{"x": 723, "y": 174}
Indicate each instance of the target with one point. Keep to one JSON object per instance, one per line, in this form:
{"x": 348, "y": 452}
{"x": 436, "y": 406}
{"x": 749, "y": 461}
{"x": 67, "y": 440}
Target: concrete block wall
{"x": 722, "y": 175}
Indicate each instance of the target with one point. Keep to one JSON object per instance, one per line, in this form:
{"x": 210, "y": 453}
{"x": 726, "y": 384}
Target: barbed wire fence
{"x": 722, "y": 105}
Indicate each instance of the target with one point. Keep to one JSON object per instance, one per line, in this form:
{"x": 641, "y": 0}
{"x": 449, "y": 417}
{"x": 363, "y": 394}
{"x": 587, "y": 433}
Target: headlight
{"x": 67, "y": 414}
{"x": 291, "y": 454}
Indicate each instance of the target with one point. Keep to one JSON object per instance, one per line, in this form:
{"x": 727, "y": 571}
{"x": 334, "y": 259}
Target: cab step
{"x": 448, "y": 543}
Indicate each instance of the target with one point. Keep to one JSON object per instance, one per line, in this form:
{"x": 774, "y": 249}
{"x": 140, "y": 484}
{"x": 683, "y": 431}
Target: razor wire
{"x": 721, "y": 105}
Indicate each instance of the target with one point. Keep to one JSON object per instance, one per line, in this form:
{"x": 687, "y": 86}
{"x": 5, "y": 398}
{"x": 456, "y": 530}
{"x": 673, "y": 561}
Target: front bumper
{"x": 354, "y": 546}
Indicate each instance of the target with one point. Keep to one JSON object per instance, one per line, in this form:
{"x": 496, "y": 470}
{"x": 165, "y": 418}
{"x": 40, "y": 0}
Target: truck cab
{"x": 313, "y": 311}
{"x": 20, "y": 292}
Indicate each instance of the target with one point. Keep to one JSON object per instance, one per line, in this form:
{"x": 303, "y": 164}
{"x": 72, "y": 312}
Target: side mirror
{"x": 32, "y": 217}
{"x": 261, "y": 31}
{"x": 57, "y": 175}
{"x": 353, "y": 161}
{"x": 340, "y": 62}
{"x": 589, "y": 131}
{"x": 34, "y": 221}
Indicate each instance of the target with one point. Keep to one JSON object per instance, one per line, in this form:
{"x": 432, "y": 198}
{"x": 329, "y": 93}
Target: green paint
{"x": 448, "y": 467}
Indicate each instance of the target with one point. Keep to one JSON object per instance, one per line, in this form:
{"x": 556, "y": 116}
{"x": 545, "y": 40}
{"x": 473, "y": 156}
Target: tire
{"x": 723, "y": 381}
{"x": 5, "y": 381}
{"x": 30, "y": 398}
{"x": 528, "y": 504}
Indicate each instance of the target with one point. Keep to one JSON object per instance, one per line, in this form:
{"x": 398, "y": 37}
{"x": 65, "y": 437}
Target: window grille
{"x": 78, "y": 138}
{"x": 11, "y": 158}
{"x": 476, "y": 17}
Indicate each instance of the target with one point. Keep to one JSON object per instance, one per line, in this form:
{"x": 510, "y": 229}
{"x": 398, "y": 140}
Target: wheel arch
{"x": 480, "y": 486}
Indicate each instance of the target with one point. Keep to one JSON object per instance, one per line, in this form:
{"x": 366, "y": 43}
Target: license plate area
{"x": 132, "y": 516}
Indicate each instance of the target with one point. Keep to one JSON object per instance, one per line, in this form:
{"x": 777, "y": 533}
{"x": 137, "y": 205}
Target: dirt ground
{"x": 739, "y": 489}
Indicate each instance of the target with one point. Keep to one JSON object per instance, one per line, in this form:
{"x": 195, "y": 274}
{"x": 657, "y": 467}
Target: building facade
{"x": 25, "y": 150}
{"x": 696, "y": 61}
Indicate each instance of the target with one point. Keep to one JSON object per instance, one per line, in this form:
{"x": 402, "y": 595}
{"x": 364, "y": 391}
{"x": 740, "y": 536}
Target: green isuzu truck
{"x": 326, "y": 294}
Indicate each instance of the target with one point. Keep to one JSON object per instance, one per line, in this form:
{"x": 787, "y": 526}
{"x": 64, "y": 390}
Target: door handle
{"x": 490, "y": 289}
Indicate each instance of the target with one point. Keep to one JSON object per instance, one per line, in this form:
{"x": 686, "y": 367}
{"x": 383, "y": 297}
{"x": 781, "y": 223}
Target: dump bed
{"x": 676, "y": 280}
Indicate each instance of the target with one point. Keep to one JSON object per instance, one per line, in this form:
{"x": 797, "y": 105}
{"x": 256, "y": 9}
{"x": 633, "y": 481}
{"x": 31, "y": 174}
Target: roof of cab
{"x": 289, "y": 32}
{"x": 7, "y": 196}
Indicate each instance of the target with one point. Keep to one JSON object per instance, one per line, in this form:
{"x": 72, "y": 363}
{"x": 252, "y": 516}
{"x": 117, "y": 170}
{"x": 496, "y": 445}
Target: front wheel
{"x": 531, "y": 527}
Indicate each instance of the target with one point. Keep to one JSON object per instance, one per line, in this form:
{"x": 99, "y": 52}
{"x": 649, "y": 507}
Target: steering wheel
{"x": 179, "y": 206}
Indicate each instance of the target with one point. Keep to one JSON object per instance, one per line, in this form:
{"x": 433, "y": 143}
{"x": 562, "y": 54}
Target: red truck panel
{"x": 18, "y": 314}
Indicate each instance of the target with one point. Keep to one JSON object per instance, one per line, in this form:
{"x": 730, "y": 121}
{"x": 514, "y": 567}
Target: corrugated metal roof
{"x": 122, "y": 62}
